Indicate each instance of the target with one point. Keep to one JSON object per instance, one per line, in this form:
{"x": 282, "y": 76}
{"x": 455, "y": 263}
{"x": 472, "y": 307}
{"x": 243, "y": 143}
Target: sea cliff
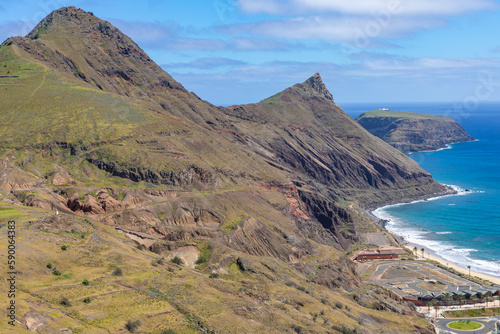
{"x": 413, "y": 132}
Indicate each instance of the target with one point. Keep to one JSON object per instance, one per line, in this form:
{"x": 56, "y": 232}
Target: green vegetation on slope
{"x": 399, "y": 114}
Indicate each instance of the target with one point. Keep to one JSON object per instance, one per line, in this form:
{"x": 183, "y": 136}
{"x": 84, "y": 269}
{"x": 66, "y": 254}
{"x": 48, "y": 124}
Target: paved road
{"x": 488, "y": 323}
{"x": 414, "y": 282}
{"x": 431, "y": 314}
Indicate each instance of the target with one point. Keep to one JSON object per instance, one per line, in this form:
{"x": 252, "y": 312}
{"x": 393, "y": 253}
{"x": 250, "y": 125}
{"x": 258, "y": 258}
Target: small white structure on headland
{"x": 383, "y": 109}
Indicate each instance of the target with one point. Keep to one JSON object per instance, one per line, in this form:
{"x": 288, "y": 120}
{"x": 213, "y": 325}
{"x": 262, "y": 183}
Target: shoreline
{"x": 429, "y": 254}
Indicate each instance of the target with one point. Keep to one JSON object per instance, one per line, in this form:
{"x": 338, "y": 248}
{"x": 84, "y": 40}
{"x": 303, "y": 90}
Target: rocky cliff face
{"x": 135, "y": 122}
{"x": 411, "y": 132}
{"x": 303, "y": 129}
{"x": 264, "y": 192}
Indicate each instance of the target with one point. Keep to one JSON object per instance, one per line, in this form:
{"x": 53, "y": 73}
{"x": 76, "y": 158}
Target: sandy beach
{"x": 430, "y": 255}
{"x": 433, "y": 257}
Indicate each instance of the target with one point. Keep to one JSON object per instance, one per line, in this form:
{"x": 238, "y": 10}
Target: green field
{"x": 464, "y": 325}
{"x": 400, "y": 114}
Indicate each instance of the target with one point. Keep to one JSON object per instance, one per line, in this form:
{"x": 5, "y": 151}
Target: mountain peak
{"x": 65, "y": 16}
{"x": 315, "y": 86}
{"x": 311, "y": 88}
{"x": 78, "y": 43}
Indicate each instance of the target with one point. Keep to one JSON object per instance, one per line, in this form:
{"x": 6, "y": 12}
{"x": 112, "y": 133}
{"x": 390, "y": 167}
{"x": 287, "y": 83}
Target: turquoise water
{"x": 463, "y": 229}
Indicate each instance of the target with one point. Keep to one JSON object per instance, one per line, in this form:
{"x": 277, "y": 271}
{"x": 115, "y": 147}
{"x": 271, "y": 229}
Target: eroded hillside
{"x": 257, "y": 204}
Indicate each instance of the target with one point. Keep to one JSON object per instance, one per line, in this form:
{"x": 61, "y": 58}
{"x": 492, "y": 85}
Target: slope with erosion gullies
{"x": 64, "y": 88}
{"x": 79, "y": 276}
{"x": 69, "y": 130}
{"x": 179, "y": 177}
{"x": 310, "y": 134}
{"x": 94, "y": 51}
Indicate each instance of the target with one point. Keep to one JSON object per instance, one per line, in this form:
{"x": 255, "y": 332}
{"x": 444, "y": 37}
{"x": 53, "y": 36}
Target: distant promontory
{"x": 413, "y": 132}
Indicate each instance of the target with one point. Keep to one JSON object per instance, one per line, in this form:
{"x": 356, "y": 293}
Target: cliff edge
{"x": 413, "y": 132}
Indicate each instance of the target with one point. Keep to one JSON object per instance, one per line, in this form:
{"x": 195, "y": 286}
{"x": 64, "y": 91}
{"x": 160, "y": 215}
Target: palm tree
{"x": 446, "y": 297}
{"x": 415, "y": 250}
{"x": 429, "y": 304}
{"x": 469, "y": 270}
{"x": 422, "y": 249}
{"x": 488, "y": 296}
{"x": 474, "y": 298}
{"x": 460, "y": 298}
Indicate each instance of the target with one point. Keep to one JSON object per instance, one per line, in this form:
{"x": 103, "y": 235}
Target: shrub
{"x": 167, "y": 331}
{"x": 49, "y": 265}
{"x": 344, "y": 330}
{"x": 118, "y": 272}
{"x": 64, "y": 247}
{"x": 56, "y": 272}
{"x": 87, "y": 300}
{"x": 65, "y": 301}
{"x": 297, "y": 329}
{"x": 213, "y": 275}
{"x": 86, "y": 282}
{"x": 206, "y": 253}
{"x": 338, "y": 305}
{"x": 155, "y": 248}
{"x": 132, "y": 326}
{"x": 177, "y": 260}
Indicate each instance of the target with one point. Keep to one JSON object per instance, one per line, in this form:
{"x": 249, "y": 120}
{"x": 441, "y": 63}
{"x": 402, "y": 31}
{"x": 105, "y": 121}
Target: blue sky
{"x": 242, "y": 51}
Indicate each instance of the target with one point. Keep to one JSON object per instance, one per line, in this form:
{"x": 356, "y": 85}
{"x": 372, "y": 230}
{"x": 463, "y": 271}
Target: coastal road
{"x": 413, "y": 283}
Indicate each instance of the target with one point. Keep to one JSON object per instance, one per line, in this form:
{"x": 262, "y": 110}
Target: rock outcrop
{"x": 412, "y": 132}
{"x": 268, "y": 195}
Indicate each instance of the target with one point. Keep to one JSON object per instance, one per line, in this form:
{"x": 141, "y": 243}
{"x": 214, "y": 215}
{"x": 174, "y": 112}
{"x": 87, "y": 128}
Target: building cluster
{"x": 380, "y": 254}
{"x": 461, "y": 297}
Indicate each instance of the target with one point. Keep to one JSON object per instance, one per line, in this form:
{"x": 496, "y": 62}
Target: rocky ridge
{"x": 269, "y": 194}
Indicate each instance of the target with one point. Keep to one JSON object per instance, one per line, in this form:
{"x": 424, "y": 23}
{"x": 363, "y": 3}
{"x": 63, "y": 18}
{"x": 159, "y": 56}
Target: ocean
{"x": 463, "y": 229}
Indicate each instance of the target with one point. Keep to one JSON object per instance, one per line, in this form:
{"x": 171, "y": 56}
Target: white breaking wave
{"x": 443, "y": 249}
{"x": 447, "y": 147}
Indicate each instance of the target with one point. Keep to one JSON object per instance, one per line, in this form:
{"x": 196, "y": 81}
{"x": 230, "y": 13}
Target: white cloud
{"x": 147, "y": 31}
{"x": 436, "y": 68}
{"x": 357, "y": 30}
{"x": 15, "y": 28}
{"x": 378, "y": 77}
{"x": 249, "y": 44}
{"x": 196, "y": 44}
{"x": 205, "y": 63}
{"x": 405, "y": 7}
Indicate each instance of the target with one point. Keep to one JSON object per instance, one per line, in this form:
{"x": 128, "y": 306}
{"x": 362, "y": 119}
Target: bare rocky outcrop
{"x": 253, "y": 237}
{"x": 187, "y": 176}
{"x": 268, "y": 186}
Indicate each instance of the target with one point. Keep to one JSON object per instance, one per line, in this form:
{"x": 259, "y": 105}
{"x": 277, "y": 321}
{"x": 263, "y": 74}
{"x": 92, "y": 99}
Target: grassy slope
{"x": 42, "y": 107}
{"x": 400, "y": 114}
{"x": 168, "y": 296}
